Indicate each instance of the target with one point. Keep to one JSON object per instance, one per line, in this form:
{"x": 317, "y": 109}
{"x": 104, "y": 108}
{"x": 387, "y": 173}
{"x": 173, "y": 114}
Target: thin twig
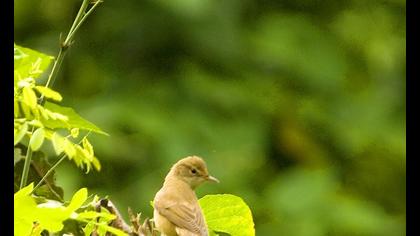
{"x": 84, "y": 17}
{"x": 78, "y": 21}
{"x": 46, "y": 182}
{"x": 63, "y": 156}
{"x": 79, "y": 15}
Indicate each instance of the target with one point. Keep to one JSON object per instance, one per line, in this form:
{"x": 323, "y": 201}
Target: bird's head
{"x": 192, "y": 170}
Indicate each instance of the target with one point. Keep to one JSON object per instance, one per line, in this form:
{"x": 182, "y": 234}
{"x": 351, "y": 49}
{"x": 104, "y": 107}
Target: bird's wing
{"x": 185, "y": 216}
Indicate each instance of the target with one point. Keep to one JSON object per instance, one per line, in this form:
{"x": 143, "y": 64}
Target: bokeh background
{"x": 297, "y": 106}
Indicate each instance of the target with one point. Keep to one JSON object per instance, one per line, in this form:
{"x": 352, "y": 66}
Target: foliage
{"x": 35, "y": 122}
{"x": 38, "y": 123}
{"x": 228, "y": 214}
{"x": 297, "y": 106}
{"x": 51, "y": 122}
{"x": 50, "y": 215}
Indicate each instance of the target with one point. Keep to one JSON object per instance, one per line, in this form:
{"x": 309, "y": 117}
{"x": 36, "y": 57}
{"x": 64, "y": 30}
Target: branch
{"x": 136, "y": 228}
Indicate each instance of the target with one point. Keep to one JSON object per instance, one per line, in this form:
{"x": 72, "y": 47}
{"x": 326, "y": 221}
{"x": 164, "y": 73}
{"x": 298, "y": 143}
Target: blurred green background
{"x": 297, "y": 106}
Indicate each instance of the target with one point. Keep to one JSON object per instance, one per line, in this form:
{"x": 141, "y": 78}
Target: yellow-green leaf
{"x": 24, "y": 211}
{"x": 21, "y": 133}
{"x": 26, "y": 110}
{"x": 29, "y": 97}
{"x": 88, "y": 229}
{"x": 77, "y": 200}
{"x": 28, "y": 62}
{"x": 37, "y": 139}
{"x": 16, "y": 108}
{"x": 58, "y": 143}
{"x": 49, "y": 93}
{"x": 227, "y": 213}
{"x": 74, "y": 132}
{"x": 69, "y": 148}
{"x": 74, "y": 119}
{"x": 115, "y": 231}
{"x": 96, "y": 163}
{"x": 87, "y": 146}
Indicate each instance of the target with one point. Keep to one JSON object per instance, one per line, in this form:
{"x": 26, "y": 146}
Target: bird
{"x": 176, "y": 208}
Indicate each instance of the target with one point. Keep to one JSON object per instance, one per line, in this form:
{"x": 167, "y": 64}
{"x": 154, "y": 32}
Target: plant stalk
{"x": 26, "y": 167}
{"x": 78, "y": 21}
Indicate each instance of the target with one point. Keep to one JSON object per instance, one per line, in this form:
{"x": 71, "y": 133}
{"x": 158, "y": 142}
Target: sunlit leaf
{"x": 29, "y": 63}
{"x": 49, "y": 93}
{"x": 29, "y": 97}
{"x": 74, "y": 132}
{"x": 58, "y": 142}
{"x": 26, "y": 110}
{"x": 87, "y": 146}
{"x": 77, "y": 200}
{"x": 74, "y": 119}
{"x": 88, "y": 229}
{"x": 106, "y": 228}
{"x": 16, "y": 108}
{"x": 227, "y": 213}
{"x": 21, "y": 133}
{"x": 37, "y": 139}
{"x": 24, "y": 214}
{"x": 96, "y": 163}
{"x": 69, "y": 148}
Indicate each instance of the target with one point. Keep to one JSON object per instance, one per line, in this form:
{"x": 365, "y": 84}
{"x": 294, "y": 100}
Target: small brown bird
{"x": 176, "y": 208}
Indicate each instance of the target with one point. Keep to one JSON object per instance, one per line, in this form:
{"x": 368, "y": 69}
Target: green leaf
{"x": 82, "y": 156}
{"x": 69, "y": 148}
{"x": 29, "y": 97}
{"x": 18, "y": 53}
{"x": 24, "y": 191}
{"x": 74, "y": 132}
{"x": 29, "y": 63}
{"x": 54, "y": 115}
{"x": 24, "y": 211}
{"x": 74, "y": 119}
{"x": 106, "y": 228}
{"x": 227, "y": 213}
{"x": 16, "y": 108}
{"x": 96, "y": 163}
{"x": 58, "y": 143}
{"x": 26, "y": 111}
{"x": 88, "y": 229}
{"x": 88, "y": 147}
{"x": 37, "y": 139}
{"x": 21, "y": 133}
{"x": 17, "y": 155}
{"x": 49, "y": 93}
{"x": 51, "y": 216}
{"x": 77, "y": 200}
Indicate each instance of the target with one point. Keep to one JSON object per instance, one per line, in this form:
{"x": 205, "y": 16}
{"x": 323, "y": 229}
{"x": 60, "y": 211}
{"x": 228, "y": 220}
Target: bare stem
{"x": 78, "y": 21}
{"x": 26, "y": 166}
{"x": 63, "y": 156}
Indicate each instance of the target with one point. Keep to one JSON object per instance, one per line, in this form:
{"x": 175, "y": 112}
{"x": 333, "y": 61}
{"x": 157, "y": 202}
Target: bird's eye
{"x": 194, "y": 171}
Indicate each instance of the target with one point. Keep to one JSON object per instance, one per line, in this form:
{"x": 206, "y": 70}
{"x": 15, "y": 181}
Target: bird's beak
{"x": 212, "y": 179}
